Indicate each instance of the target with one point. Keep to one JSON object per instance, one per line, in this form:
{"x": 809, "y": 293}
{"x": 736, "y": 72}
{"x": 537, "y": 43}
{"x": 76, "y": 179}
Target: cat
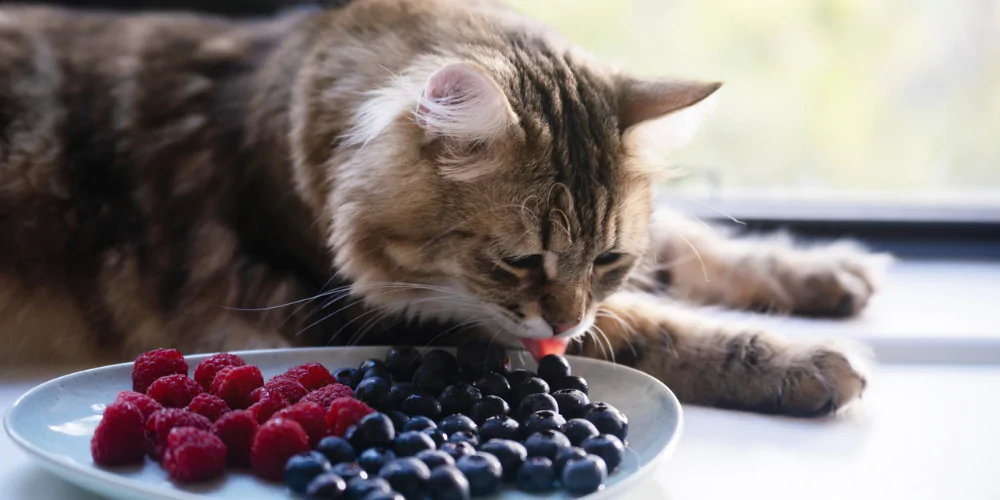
{"x": 385, "y": 172}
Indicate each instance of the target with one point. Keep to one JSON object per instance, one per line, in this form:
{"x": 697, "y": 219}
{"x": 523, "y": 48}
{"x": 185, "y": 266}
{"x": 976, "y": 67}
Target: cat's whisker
{"x": 611, "y": 348}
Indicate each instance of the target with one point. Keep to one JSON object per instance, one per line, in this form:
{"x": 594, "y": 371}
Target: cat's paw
{"x": 820, "y": 379}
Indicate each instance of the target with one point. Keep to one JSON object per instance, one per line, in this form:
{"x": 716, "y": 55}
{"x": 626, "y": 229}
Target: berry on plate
{"x": 301, "y": 469}
{"x": 159, "y": 424}
{"x": 373, "y": 459}
{"x": 268, "y": 403}
{"x": 119, "y": 438}
{"x": 288, "y": 387}
{"x": 448, "y": 483}
{"x": 545, "y": 444}
{"x": 276, "y": 442}
{"x": 606, "y": 446}
{"x": 147, "y": 405}
{"x": 553, "y": 367}
{"x": 459, "y": 398}
{"x": 607, "y": 419}
{"x": 537, "y": 475}
{"x": 435, "y": 458}
{"x": 490, "y": 406}
{"x": 349, "y": 470}
{"x": 237, "y": 430}
{"x": 510, "y": 453}
{"x": 458, "y": 423}
{"x": 324, "y": 396}
{"x": 483, "y": 471}
{"x": 205, "y": 372}
{"x": 572, "y": 403}
{"x": 545, "y": 420}
{"x": 537, "y": 402}
{"x": 407, "y": 475}
{"x": 152, "y": 365}
{"x": 174, "y": 391}
{"x": 411, "y": 443}
{"x": 208, "y": 406}
{"x": 500, "y": 427}
{"x": 336, "y": 449}
{"x": 585, "y": 475}
{"x": 312, "y": 376}
{"x": 327, "y": 486}
{"x": 194, "y": 455}
{"x": 343, "y": 413}
{"x": 310, "y": 416}
{"x": 235, "y": 383}
{"x": 578, "y": 429}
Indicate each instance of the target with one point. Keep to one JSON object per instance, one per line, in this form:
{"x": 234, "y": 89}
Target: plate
{"x": 54, "y": 422}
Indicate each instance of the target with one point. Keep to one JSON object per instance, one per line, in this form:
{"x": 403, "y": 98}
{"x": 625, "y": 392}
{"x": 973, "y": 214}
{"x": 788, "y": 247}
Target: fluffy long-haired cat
{"x": 386, "y": 171}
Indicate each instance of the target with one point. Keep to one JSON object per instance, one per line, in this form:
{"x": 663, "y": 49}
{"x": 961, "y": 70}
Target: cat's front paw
{"x": 820, "y": 379}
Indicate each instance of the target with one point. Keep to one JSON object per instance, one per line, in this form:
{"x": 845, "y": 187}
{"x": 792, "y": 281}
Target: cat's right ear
{"x": 462, "y": 102}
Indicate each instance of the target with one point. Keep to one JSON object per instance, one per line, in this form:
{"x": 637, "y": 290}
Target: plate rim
{"x": 81, "y": 475}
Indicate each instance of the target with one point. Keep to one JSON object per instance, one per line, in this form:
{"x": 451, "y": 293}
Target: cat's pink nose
{"x": 559, "y": 328}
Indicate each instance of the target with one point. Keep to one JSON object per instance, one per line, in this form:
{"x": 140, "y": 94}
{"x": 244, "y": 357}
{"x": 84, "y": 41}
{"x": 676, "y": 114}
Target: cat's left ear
{"x": 462, "y": 102}
{"x": 640, "y": 101}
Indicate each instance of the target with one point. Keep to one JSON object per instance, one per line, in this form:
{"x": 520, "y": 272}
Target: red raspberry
{"x": 146, "y": 404}
{"x": 174, "y": 391}
{"x": 268, "y": 403}
{"x": 155, "y": 364}
{"x": 119, "y": 437}
{"x": 233, "y": 385}
{"x": 159, "y": 424}
{"x": 194, "y": 455}
{"x": 205, "y": 372}
{"x": 312, "y": 376}
{"x": 209, "y": 406}
{"x": 237, "y": 429}
{"x": 325, "y": 395}
{"x": 343, "y": 413}
{"x": 288, "y": 387}
{"x": 310, "y": 416}
{"x": 276, "y": 442}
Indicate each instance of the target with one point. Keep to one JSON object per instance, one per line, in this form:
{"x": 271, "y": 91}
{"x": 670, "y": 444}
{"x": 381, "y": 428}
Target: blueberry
{"x": 441, "y": 361}
{"x": 377, "y": 428}
{"x": 607, "y": 419}
{"x": 407, "y": 475}
{"x": 376, "y": 372}
{"x": 336, "y": 450}
{"x": 369, "y": 364}
{"x": 373, "y": 459}
{"x": 606, "y": 446}
{"x": 301, "y": 469}
{"x": 423, "y": 405}
{"x": 326, "y": 486}
{"x": 483, "y": 472}
{"x": 426, "y": 378}
{"x": 435, "y": 458}
{"x": 537, "y": 402}
{"x": 544, "y": 420}
{"x": 458, "y": 423}
{"x": 419, "y": 423}
{"x": 493, "y": 384}
{"x": 517, "y": 376}
{"x": 356, "y": 437}
{"x": 402, "y": 362}
{"x": 537, "y": 475}
{"x": 379, "y": 495}
{"x": 564, "y": 455}
{"x": 349, "y": 470}
{"x": 412, "y": 442}
{"x": 436, "y": 435}
{"x": 399, "y": 419}
{"x": 476, "y": 357}
{"x": 510, "y": 453}
{"x": 448, "y": 483}
{"x": 579, "y": 429}
{"x": 501, "y": 427}
{"x": 571, "y": 402}
{"x": 359, "y": 488}
{"x": 490, "y": 406}
{"x": 374, "y": 392}
{"x": 531, "y": 386}
{"x": 545, "y": 444}
{"x": 553, "y": 367}
{"x": 585, "y": 475}
{"x": 399, "y": 392}
{"x": 570, "y": 382}
{"x": 457, "y": 450}
{"x": 346, "y": 376}
{"x": 459, "y": 398}
{"x": 464, "y": 437}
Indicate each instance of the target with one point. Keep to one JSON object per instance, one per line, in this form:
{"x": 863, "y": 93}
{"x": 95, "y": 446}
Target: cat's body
{"x": 159, "y": 174}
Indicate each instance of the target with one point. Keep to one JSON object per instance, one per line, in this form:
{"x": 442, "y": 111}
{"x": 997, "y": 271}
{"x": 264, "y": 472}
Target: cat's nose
{"x": 559, "y": 328}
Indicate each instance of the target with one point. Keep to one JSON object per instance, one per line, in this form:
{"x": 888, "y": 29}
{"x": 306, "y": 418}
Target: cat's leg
{"x": 727, "y": 366}
{"x": 704, "y": 265}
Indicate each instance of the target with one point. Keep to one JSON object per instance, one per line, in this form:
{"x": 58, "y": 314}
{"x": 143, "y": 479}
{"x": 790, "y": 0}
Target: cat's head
{"x": 499, "y": 191}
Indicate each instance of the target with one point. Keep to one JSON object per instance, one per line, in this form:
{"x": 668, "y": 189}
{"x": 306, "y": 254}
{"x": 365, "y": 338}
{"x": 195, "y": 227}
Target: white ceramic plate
{"x": 54, "y": 422}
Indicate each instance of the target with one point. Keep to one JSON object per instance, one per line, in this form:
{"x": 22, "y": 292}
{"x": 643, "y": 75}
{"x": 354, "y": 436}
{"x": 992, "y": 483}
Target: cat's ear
{"x": 640, "y": 101}
{"x": 461, "y": 102}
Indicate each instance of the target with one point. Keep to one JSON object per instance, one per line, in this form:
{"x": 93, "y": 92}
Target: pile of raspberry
{"x": 223, "y": 415}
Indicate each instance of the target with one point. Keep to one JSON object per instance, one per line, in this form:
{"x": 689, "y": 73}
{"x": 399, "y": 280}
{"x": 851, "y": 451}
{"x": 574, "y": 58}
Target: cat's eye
{"x": 607, "y": 258}
{"x": 524, "y": 261}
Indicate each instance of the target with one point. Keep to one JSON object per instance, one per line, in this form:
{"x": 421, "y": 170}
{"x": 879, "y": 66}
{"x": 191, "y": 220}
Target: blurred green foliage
{"x": 853, "y": 95}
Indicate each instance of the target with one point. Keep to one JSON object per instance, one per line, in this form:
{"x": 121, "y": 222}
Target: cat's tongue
{"x": 539, "y": 348}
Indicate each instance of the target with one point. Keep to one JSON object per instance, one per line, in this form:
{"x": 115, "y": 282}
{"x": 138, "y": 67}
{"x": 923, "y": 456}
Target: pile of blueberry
{"x": 449, "y": 427}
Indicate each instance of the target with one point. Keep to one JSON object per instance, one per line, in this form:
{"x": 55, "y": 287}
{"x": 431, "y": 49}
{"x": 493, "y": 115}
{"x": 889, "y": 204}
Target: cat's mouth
{"x": 540, "y": 348}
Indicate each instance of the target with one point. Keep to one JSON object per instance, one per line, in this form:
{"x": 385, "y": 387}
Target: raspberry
{"x": 146, "y": 404}
{"x": 208, "y": 406}
{"x": 159, "y": 424}
{"x": 288, "y": 387}
{"x": 233, "y": 384}
{"x": 194, "y": 455}
{"x": 267, "y": 404}
{"x": 325, "y": 395}
{"x": 237, "y": 430}
{"x": 343, "y": 413}
{"x": 312, "y": 376}
{"x": 205, "y": 372}
{"x": 155, "y": 364}
{"x": 174, "y": 391}
{"x": 276, "y": 442}
{"x": 118, "y": 438}
{"x": 310, "y": 416}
